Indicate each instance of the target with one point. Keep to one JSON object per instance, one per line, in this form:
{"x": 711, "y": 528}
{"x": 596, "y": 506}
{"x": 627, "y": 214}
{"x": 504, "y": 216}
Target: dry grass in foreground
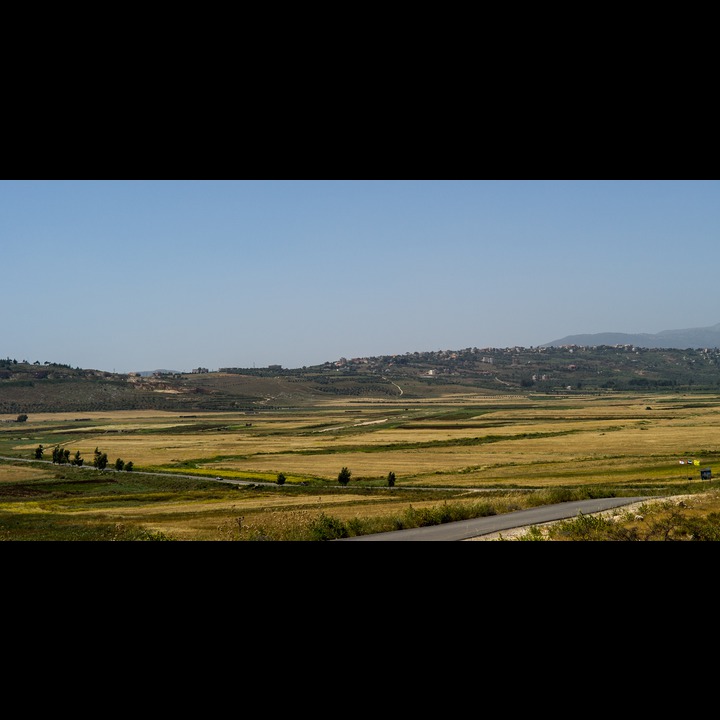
{"x": 694, "y": 517}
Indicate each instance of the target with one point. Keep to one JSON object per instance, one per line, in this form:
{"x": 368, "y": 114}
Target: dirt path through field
{"x": 343, "y": 427}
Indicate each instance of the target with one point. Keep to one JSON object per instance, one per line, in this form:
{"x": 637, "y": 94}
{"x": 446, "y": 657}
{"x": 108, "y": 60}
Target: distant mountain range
{"x": 703, "y": 337}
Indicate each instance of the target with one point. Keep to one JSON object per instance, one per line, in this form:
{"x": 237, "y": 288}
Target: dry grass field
{"x": 460, "y": 447}
{"x": 479, "y": 444}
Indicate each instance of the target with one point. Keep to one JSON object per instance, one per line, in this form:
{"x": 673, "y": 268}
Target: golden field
{"x": 463, "y": 445}
{"x": 475, "y": 442}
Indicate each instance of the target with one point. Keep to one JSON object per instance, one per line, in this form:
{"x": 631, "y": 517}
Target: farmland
{"x": 459, "y": 452}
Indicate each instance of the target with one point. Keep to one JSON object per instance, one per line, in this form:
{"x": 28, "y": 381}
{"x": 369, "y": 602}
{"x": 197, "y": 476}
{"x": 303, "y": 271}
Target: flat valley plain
{"x": 510, "y": 451}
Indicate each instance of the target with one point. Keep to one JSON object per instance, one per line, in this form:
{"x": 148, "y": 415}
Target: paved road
{"x": 464, "y": 529}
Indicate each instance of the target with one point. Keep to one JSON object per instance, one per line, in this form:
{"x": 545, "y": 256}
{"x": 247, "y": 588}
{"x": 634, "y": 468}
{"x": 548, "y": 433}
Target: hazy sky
{"x": 130, "y": 275}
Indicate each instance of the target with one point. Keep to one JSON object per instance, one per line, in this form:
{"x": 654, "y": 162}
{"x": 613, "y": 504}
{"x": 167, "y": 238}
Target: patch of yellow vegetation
{"x": 28, "y": 507}
{"x": 20, "y": 473}
{"x": 241, "y": 504}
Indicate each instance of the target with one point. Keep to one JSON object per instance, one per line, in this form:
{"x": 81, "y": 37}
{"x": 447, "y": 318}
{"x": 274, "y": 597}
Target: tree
{"x": 128, "y": 466}
{"x": 100, "y": 460}
{"x": 119, "y": 464}
{"x": 281, "y": 479}
{"x": 77, "y": 460}
{"x": 39, "y": 452}
{"x": 59, "y": 455}
{"x": 391, "y": 479}
{"x": 22, "y": 417}
{"x": 344, "y": 476}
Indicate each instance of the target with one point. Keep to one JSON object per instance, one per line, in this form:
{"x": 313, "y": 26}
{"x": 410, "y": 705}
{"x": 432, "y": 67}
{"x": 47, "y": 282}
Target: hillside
{"x": 26, "y": 388}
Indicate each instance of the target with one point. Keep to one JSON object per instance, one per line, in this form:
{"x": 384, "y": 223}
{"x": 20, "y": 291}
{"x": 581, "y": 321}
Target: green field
{"x": 453, "y": 456}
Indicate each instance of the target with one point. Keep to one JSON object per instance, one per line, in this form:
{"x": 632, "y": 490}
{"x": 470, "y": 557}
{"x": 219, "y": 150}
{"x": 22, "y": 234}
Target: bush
{"x": 327, "y": 528}
{"x": 707, "y": 529}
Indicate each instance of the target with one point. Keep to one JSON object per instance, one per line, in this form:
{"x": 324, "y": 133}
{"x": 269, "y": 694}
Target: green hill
{"x": 26, "y": 388}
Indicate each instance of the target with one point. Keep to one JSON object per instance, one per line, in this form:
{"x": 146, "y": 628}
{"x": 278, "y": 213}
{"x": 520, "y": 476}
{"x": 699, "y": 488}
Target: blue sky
{"x": 131, "y": 275}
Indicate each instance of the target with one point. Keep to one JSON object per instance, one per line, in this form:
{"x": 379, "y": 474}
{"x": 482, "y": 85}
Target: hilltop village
{"x": 48, "y": 387}
{"x": 569, "y": 367}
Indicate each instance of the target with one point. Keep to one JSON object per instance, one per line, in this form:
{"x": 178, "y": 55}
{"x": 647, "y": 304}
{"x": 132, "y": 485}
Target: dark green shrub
{"x": 327, "y": 528}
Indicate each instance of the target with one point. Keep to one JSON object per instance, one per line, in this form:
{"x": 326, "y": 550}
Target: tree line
{"x": 343, "y": 477}
{"x": 345, "y": 474}
{"x": 61, "y": 456}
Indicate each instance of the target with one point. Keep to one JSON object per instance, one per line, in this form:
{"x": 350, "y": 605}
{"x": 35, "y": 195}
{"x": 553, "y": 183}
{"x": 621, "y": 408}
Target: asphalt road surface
{"x": 465, "y": 529}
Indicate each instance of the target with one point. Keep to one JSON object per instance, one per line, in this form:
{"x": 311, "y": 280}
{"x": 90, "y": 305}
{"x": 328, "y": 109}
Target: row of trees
{"x": 343, "y": 477}
{"x": 61, "y": 456}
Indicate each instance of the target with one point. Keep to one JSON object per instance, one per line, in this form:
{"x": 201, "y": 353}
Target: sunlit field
{"x": 462, "y": 448}
{"x": 487, "y": 443}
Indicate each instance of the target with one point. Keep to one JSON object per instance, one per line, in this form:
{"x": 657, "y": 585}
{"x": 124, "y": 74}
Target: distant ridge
{"x": 703, "y": 337}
